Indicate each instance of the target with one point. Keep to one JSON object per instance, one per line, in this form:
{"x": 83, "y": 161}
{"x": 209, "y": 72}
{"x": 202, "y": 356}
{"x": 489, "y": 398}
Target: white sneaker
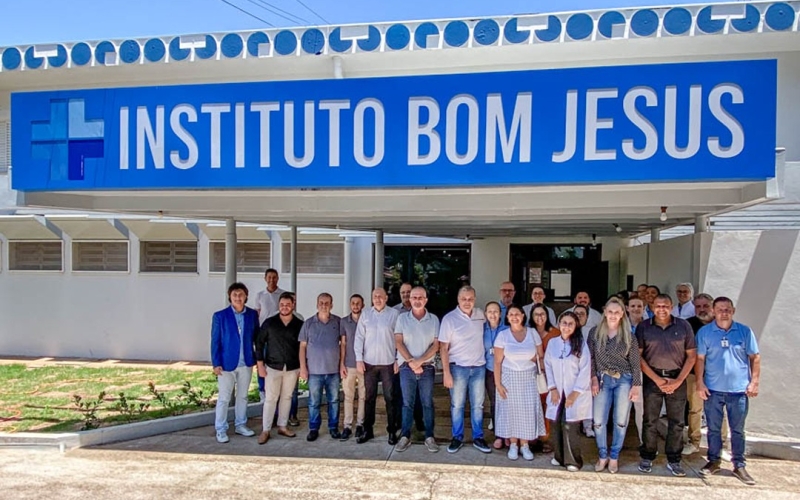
{"x": 245, "y": 431}
{"x": 590, "y": 433}
{"x": 222, "y": 437}
{"x": 513, "y": 452}
{"x": 527, "y": 454}
{"x": 690, "y": 449}
{"x": 553, "y": 461}
{"x": 726, "y": 455}
{"x": 572, "y": 468}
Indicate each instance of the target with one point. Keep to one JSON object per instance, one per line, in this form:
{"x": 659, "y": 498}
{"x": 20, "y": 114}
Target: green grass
{"x": 41, "y": 399}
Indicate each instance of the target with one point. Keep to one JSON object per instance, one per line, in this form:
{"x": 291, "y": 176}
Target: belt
{"x": 667, "y": 373}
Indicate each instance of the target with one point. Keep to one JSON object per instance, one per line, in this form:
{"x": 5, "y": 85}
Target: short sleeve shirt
{"x": 348, "y": 326}
{"x": 665, "y": 348}
{"x": 727, "y": 353}
{"x": 322, "y": 349}
{"x": 464, "y": 336}
{"x": 418, "y": 334}
{"x": 267, "y": 304}
{"x": 518, "y": 356}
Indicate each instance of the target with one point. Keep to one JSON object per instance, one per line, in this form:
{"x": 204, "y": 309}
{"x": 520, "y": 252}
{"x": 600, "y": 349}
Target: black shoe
{"x": 392, "y": 438}
{"x": 359, "y": 431}
{"x": 312, "y": 435}
{"x": 743, "y": 476}
{"x": 345, "y": 435}
{"x": 364, "y": 437}
{"x": 481, "y": 445}
{"x": 645, "y": 466}
{"x": 710, "y": 468}
{"x": 335, "y": 434}
{"x": 293, "y": 422}
{"x": 454, "y": 446}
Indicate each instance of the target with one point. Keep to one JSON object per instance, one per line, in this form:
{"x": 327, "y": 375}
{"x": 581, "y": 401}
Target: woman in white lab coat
{"x": 568, "y": 367}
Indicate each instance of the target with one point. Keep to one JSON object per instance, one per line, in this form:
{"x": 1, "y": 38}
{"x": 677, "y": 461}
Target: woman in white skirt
{"x": 568, "y": 366}
{"x": 517, "y": 359}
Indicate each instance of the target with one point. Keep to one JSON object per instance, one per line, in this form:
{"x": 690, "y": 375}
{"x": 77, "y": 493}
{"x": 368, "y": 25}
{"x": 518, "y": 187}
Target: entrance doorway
{"x": 562, "y": 270}
{"x": 441, "y": 269}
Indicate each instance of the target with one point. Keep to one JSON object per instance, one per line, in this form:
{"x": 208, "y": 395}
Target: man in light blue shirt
{"x": 728, "y": 369}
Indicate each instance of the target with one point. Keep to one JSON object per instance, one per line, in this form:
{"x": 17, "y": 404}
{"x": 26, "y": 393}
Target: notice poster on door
{"x": 535, "y": 270}
{"x": 561, "y": 283}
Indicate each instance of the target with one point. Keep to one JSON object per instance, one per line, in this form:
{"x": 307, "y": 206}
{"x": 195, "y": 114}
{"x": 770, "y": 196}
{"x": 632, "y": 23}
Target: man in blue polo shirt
{"x": 728, "y": 369}
{"x": 320, "y": 356}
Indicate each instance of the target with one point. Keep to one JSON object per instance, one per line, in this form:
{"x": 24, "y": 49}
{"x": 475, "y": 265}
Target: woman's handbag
{"x": 541, "y": 381}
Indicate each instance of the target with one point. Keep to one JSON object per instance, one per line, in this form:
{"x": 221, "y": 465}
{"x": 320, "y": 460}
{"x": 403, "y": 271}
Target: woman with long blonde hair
{"x": 616, "y": 377}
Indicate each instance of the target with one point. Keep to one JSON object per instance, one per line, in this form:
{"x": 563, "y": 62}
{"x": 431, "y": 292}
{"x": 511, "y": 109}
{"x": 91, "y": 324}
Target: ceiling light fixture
{"x": 617, "y": 228}
{"x": 663, "y": 216}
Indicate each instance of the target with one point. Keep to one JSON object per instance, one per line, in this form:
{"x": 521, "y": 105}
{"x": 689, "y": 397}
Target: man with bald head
{"x": 376, "y": 354}
{"x": 507, "y": 293}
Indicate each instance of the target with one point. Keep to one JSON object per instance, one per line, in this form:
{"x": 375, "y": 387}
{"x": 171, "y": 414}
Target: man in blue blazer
{"x": 233, "y": 330}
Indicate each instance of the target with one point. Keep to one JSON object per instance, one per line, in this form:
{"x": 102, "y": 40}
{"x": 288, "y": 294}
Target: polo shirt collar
{"x": 717, "y": 328}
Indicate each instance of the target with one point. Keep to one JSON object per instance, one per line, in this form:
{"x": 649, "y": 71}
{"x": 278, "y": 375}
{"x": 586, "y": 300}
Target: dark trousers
{"x": 676, "y": 405}
{"x": 565, "y": 438}
{"x": 490, "y": 392}
{"x": 384, "y": 373}
{"x": 398, "y": 400}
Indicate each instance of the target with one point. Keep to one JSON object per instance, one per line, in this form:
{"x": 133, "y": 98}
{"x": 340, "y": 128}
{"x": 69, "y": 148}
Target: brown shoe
{"x": 263, "y": 437}
{"x": 283, "y": 431}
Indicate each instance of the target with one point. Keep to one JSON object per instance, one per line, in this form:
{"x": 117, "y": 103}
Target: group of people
{"x": 547, "y": 378}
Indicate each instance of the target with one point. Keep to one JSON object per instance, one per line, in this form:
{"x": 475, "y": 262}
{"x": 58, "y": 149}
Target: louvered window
{"x": 5, "y": 146}
{"x": 168, "y": 257}
{"x": 35, "y": 256}
{"x": 100, "y": 256}
{"x": 315, "y": 258}
{"x": 251, "y": 257}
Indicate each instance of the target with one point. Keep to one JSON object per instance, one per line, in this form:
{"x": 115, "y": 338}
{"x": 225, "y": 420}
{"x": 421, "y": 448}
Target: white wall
{"x": 489, "y": 262}
{"x": 760, "y": 272}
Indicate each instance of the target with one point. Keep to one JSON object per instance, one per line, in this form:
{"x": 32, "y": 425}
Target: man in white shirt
{"x": 416, "y": 335}
{"x": 538, "y": 296}
{"x": 376, "y": 353}
{"x": 464, "y": 365}
{"x": 582, "y": 298}
{"x": 266, "y": 306}
{"x": 684, "y": 308}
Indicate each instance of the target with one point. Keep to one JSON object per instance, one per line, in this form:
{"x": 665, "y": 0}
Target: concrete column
{"x": 655, "y": 235}
{"x": 701, "y": 224}
{"x": 293, "y": 259}
{"x": 347, "y": 288}
{"x": 230, "y": 252}
{"x": 379, "y": 256}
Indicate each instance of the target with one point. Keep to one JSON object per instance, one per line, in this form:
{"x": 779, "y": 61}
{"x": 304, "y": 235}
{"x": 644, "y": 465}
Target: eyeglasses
{"x": 506, "y": 290}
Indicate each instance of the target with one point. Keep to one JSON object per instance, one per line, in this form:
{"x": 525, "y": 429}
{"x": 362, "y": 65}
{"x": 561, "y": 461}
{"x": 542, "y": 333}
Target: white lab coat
{"x": 567, "y": 375}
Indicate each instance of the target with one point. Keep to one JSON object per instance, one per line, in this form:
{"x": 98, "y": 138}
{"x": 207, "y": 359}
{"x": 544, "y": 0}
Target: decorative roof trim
{"x": 570, "y": 27}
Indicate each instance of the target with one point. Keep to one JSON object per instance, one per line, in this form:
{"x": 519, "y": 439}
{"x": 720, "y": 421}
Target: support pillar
{"x": 701, "y": 224}
{"x": 347, "y": 288}
{"x": 230, "y": 252}
{"x": 655, "y": 235}
{"x": 379, "y": 258}
{"x": 293, "y": 259}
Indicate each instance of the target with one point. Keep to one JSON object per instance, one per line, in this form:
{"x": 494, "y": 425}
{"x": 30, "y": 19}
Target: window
{"x": 251, "y": 257}
{"x": 35, "y": 256}
{"x": 168, "y": 257}
{"x": 100, "y": 256}
{"x": 5, "y": 146}
{"x": 315, "y": 258}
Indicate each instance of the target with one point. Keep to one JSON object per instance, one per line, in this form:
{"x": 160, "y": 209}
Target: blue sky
{"x": 39, "y": 21}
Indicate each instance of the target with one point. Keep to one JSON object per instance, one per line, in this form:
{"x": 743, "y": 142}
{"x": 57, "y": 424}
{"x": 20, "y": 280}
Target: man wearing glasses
{"x": 507, "y": 292}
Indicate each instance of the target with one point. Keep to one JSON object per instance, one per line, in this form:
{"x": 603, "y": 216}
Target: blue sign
{"x": 709, "y": 121}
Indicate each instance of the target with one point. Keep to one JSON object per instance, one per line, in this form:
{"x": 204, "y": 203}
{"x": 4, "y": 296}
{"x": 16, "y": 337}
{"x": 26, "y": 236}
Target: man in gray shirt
{"x": 375, "y": 358}
{"x": 348, "y": 371}
{"x": 320, "y": 357}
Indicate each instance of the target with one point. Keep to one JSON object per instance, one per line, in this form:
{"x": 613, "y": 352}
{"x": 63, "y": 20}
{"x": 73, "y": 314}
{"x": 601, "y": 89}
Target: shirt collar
{"x": 238, "y": 313}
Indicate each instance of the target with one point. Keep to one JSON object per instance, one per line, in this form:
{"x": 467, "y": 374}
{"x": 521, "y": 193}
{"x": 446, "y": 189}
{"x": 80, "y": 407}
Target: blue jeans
{"x": 736, "y": 404}
{"x": 316, "y": 383}
{"x": 616, "y": 391}
{"x": 409, "y": 383}
{"x": 467, "y": 378}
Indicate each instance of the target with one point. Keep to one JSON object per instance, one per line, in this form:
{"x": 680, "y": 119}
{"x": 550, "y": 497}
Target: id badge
{"x": 725, "y": 343}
